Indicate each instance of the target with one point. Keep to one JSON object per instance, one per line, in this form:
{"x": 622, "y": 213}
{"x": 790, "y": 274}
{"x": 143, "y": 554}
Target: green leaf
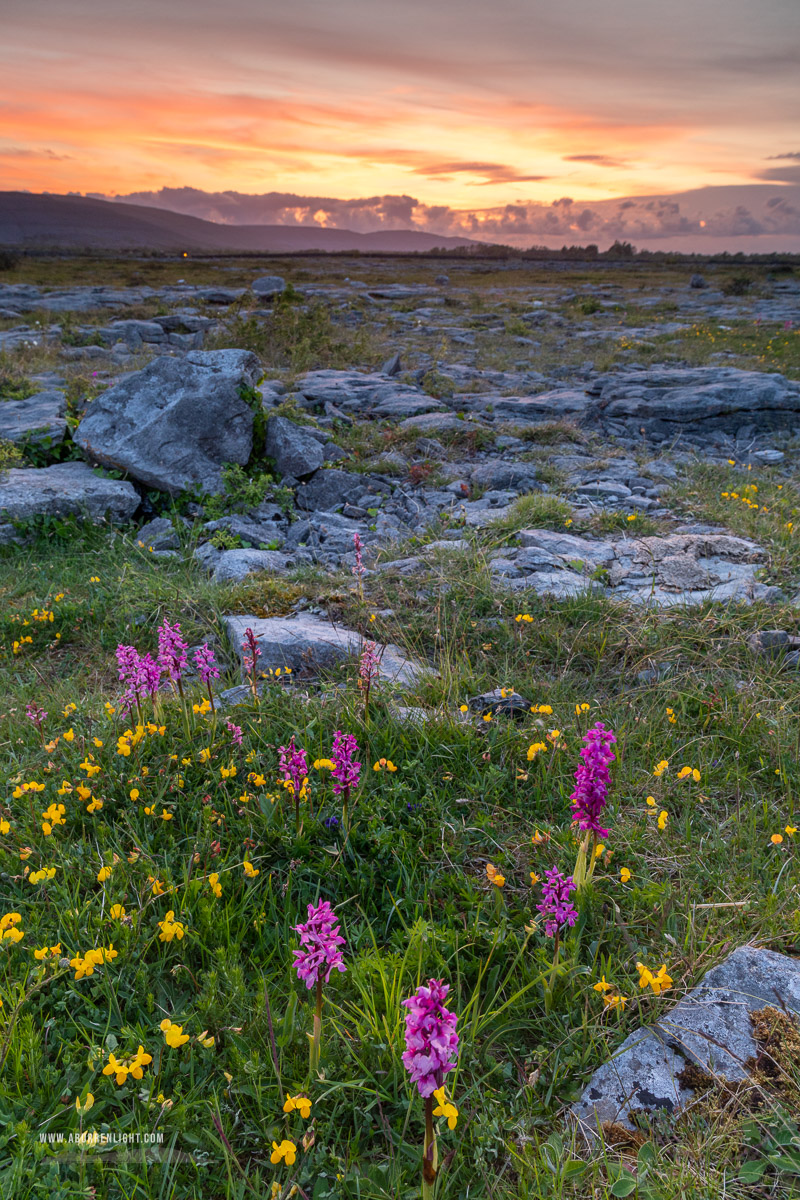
{"x": 751, "y": 1172}
{"x": 624, "y": 1186}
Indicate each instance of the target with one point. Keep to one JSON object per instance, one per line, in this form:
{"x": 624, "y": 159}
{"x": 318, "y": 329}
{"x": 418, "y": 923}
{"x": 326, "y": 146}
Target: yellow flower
{"x": 158, "y": 887}
{"x": 87, "y": 1104}
{"x": 599, "y": 849}
{"x": 45, "y": 874}
{"x": 661, "y": 767}
{"x": 249, "y": 870}
{"x": 69, "y": 736}
{"x": 165, "y": 816}
{"x": 257, "y": 780}
{"x": 117, "y": 1069}
{"x": 5, "y": 826}
{"x": 534, "y": 878}
{"x": 170, "y": 928}
{"x": 663, "y": 817}
{"x": 384, "y": 764}
{"x": 581, "y": 708}
{"x": 658, "y": 982}
{"x": 325, "y": 763}
{"x": 615, "y": 1001}
{"x": 547, "y": 709}
{"x": 215, "y": 885}
{"x": 444, "y": 1108}
{"x": 776, "y": 839}
{"x": 602, "y": 986}
{"x": 461, "y": 708}
{"x": 173, "y": 1034}
{"x": 624, "y": 875}
{"x": 134, "y": 793}
{"x": 790, "y": 829}
{"x": 89, "y": 767}
{"x": 96, "y": 741}
{"x": 117, "y": 912}
{"x": 651, "y": 801}
{"x": 495, "y": 876}
{"x": 95, "y": 806}
{"x": 300, "y": 1104}
{"x": 65, "y": 789}
{"x": 41, "y": 953}
{"x": 287, "y": 1151}
{"x": 103, "y": 874}
{"x": 109, "y": 707}
{"x": 686, "y": 771}
{"x": 205, "y": 1039}
{"x": 534, "y": 749}
{"x": 671, "y": 716}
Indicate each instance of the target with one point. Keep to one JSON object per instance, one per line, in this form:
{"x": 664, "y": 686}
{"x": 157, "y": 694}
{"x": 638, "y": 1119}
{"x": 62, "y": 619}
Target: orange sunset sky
{"x": 467, "y": 111}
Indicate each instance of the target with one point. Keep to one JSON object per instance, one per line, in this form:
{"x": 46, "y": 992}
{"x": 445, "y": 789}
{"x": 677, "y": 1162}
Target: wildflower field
{"x": 310, "y": 946}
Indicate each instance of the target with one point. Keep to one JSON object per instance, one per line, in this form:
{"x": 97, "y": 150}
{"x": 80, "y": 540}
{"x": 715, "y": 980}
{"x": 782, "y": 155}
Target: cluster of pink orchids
{"x": 430, "y": 1037}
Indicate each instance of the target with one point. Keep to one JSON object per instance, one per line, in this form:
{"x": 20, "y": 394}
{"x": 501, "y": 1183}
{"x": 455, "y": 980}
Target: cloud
{"x": 600, "y": 160}
{"x": 781, "y": 174}
{"x": 730, "y": 213}
{"x": 791, "y": 154}
{"x": 491, "y": 172}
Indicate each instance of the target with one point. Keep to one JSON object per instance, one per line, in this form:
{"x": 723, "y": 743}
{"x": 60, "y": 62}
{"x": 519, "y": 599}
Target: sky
{"x": 451, "y": 115}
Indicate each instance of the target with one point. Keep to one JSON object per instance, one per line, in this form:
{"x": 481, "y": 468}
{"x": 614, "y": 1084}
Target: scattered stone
{"x": 64, "y": 489}
{"x": 295, "y": 449}
{"x": 697, "y": 281}
{"x": 173, "y": 424}
{"x": 500, "y": 702}
{"x": 159, "y": 534}
{"x": 309, "y": 644}
{"x": 329, "y": 489}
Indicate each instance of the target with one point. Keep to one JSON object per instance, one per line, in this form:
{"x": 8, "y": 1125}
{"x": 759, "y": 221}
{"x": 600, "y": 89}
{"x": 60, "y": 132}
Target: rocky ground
{"x": 435, "y": 447}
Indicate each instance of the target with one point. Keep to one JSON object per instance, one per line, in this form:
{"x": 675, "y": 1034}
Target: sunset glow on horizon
{"x": 469, "y": 106}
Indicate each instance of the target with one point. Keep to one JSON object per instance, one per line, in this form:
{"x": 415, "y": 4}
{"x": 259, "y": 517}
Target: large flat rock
{"x": 39, "y": 418}
{"x": 665, "y": 401}
{"x": 174, "y": 424}
{"x": 709, "y": 1028}
{"x": 65, "y": 488}
{"x": 663, "y": 571}
{"x": 310, "y": 644}
{"x": 364, "y": 393}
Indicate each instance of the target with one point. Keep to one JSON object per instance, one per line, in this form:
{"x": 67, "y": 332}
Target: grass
{"x": 409, "y": 883}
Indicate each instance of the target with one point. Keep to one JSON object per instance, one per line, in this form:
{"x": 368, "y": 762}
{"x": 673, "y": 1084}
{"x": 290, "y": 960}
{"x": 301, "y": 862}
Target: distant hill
{"x": 46, "y": 222}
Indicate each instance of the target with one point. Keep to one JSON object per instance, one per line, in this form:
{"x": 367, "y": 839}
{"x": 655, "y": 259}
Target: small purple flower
{"x": 370, "y": 663}
{"x": 331, "y": 822}
{"x": 431, "y": 1038}
{"x": 321, "y": 939}
{"x": 35, "y": 714}
{"x": 235, "y": 731}
{"x": 251, "y": 652}
{"x": 293, "y": 767}
{"x": 206, "y": 665}
{"x": 593, "y": 779}
{"x": 149, "y": 674}
{"x": 346, "y": 771}
{"x": 358, "y": 570}
{"x": 556, "y": 906}
{"x": 171, "y": 650}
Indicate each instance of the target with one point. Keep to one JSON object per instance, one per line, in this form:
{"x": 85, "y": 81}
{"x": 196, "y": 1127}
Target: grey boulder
{"x": 173, "y": 424}
{"x": 267, "y": 286}
{"x": 295, "y": 449}
{"x": 64, "y": 489}
{"x": 710, "y": 1029}
{"x": 234, "y": 565}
